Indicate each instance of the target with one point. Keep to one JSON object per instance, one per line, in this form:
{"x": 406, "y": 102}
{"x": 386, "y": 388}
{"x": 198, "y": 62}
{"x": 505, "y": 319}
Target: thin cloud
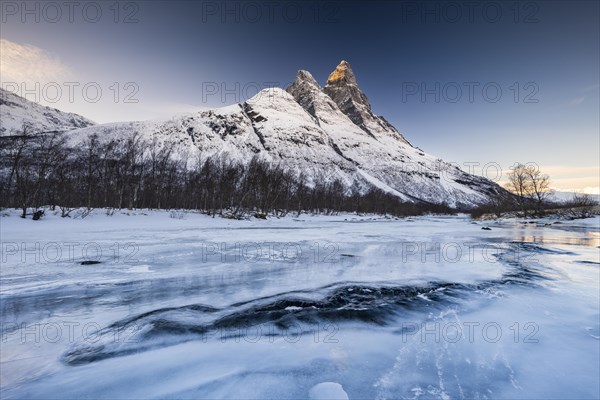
{"x": 27, "y": 64}
{"x": 591, "y": 87}
{"x": 595, "y": 190}
{"x": 568, "y": 170}
{"x": 577, "y": 101}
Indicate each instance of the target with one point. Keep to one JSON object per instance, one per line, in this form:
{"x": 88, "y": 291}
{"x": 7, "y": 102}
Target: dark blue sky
{"x": 542, "y": 55}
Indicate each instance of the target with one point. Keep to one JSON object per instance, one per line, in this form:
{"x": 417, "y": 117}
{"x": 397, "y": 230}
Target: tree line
{"x": 529, "y": 196}
{"x": 43, "y": 170}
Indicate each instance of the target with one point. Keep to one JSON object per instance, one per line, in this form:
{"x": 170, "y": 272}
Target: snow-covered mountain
{"x": 380, "y": 153}
{"x": 319, "y": 133}
{"x": 15, "y": 112}
{"x": 565, "y": 196}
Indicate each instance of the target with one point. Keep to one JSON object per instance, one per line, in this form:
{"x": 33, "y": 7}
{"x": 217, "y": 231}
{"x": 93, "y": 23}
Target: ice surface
{"x": 200, "y": 307}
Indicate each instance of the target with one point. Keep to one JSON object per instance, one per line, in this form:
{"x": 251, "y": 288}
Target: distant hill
{"x": 15, "y": 111}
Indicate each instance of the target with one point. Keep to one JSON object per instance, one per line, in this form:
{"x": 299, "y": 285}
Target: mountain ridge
{"x": 320, "y": 134}
{"x": 17, "y": 112}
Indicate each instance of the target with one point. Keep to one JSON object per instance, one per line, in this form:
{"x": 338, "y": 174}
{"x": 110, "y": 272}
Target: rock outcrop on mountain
{"x": 342, "y": 88}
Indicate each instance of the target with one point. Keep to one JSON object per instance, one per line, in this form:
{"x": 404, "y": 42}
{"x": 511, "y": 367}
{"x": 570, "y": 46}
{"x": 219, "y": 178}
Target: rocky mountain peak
{"x": 342, "y": 75}
{"x": 304, "y": 77}
{"x": 340, "y": 94}
{"x": 307, "y": 92}
{"x": 344, "y": 91}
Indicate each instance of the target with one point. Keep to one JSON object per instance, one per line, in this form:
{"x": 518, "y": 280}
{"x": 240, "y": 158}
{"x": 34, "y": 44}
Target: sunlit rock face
{"x": 342, "y": 73}
{"x": 343, "y": 89}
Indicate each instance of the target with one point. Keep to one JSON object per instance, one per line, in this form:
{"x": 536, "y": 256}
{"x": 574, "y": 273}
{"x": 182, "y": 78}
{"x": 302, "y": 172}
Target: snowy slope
{"x": 16, "y": 111}
{"x": 193, "y": 136}
{"x": 290, "y": 136}
{"x": 271, "y": 125}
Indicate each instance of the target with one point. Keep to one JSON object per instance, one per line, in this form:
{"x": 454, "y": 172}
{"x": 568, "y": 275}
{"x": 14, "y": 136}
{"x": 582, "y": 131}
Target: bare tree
{"x": 531, "y": 187}
{"x": 14, "y": 153}
{"x": 49, "y": 155}
{"x": 519, "y": 185}
{"x": 539, "y": 187}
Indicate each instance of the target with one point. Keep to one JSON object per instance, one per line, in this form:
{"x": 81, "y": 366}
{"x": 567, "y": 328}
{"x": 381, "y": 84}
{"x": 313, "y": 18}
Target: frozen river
{"x": 199, "y": 307}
